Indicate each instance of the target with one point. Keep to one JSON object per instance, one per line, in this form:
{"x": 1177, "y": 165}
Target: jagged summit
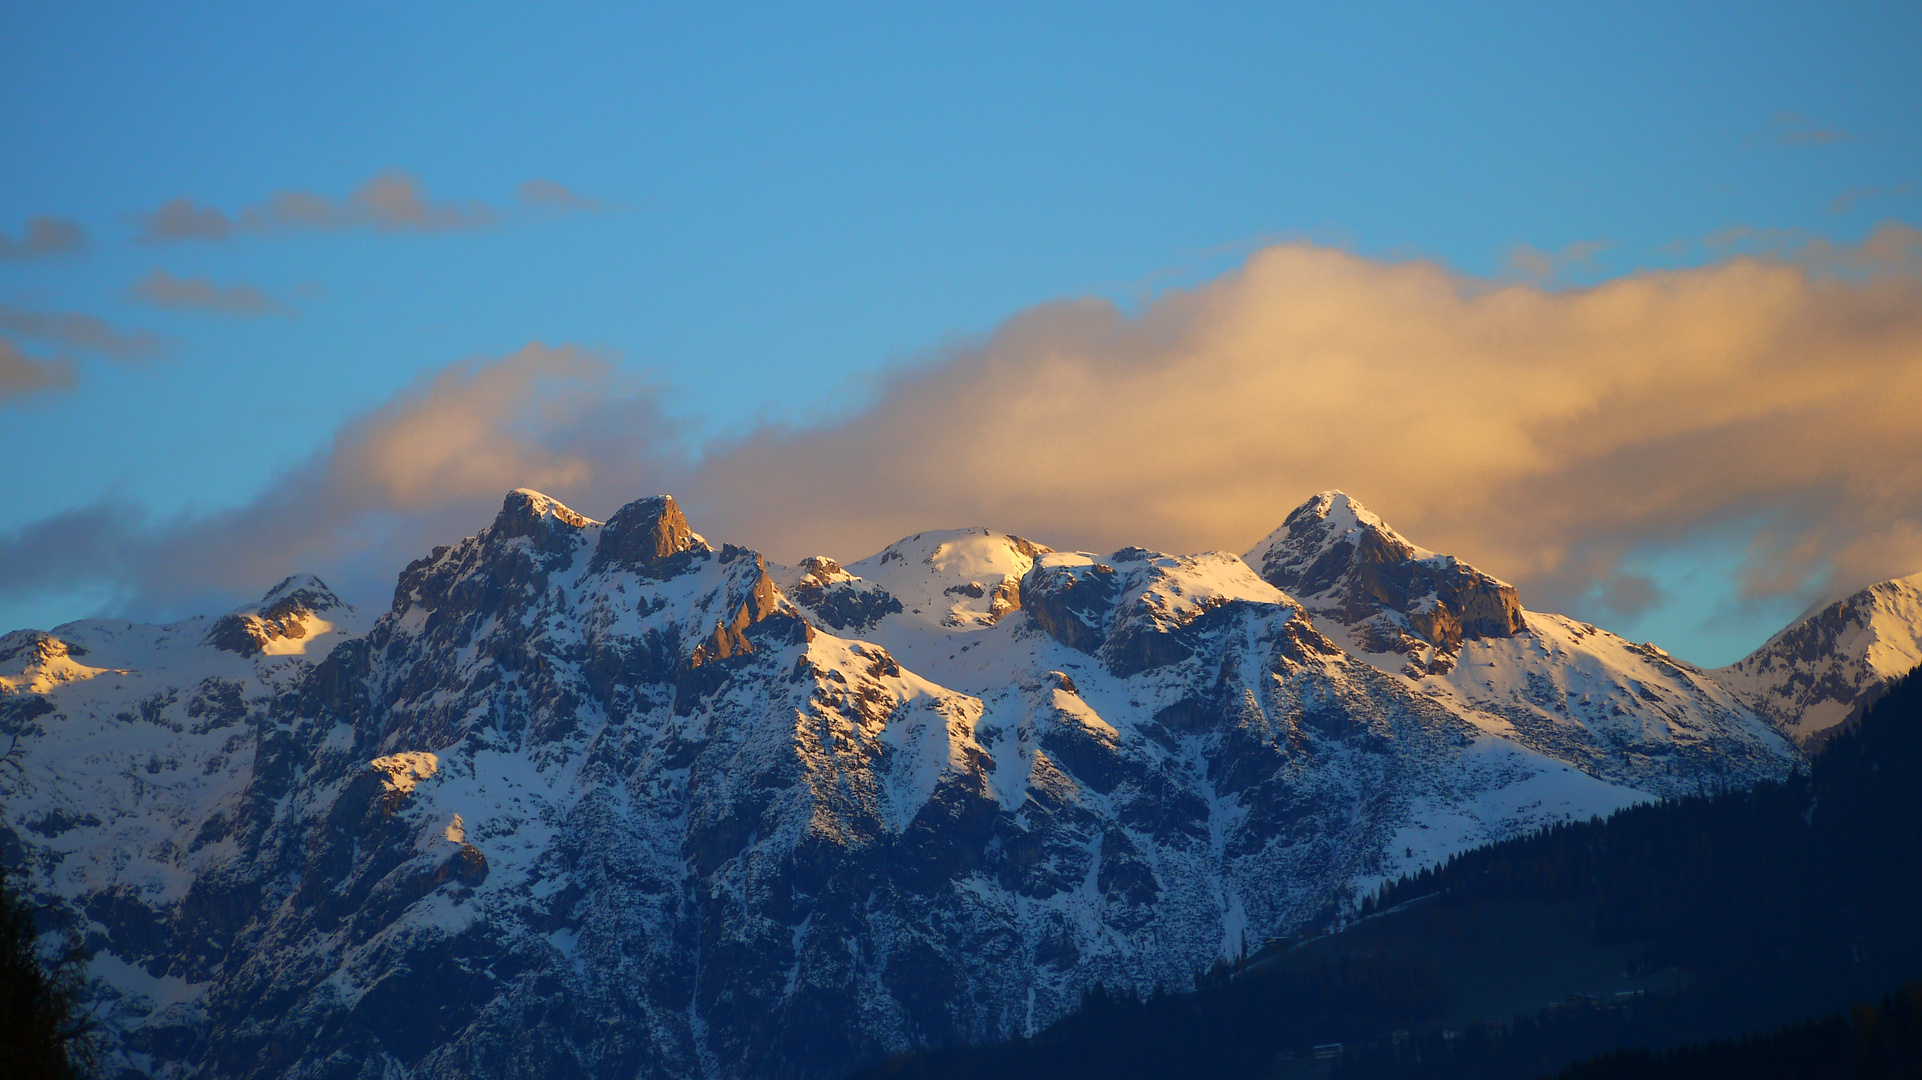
{"x": 649, "y": 536}
{"x": 287, "y": 620}
{"x": 1819, "y": 673}
{"x": 1344, "y": 563}
{"x": 527, "y": 504}
{"x": 304, "y": 591}
{"x": 837, "y": 598}
{"x": 551, "y": 525}
{"x": 1318, "y": 541}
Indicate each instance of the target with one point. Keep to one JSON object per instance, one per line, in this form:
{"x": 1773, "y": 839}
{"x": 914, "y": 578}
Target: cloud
{"x": 78, "y": 331}
{"x": 427, "y": 467}
{"x": 1794, "y": 129}
{"x": 21, "y": 374}
{"x": 389, "y": 202}
{"x": 1544, "y": 435}
{"x": 1542, "y": 267}
{"x": 162, "y": 289}
{"x": 548, "y": 195}
{"x": 1629, "y": 595}
{"x": 1849, "y": 199}
{"x": 1890, "y": 248}
{"x": 45, "y": 236}
{"x": 179, "y": 219}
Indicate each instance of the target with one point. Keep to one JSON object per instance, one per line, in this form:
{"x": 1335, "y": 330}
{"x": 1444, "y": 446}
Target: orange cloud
{"x": 1540, "y": 434}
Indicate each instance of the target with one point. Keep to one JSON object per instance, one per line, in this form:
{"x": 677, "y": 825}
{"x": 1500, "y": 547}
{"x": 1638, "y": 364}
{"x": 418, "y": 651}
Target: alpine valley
{"x": 601, "y": 799}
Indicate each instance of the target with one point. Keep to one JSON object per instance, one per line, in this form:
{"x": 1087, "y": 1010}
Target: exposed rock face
{"x": 649, "y": 537}
{"x": 36, "y": 662}
{"x": 1821, "y": 672}
{"x": 290, "y": 611}
{"x": 1342, "y": 562}
{"x": 838, "y": 598}
{"x": 598, "y": 800}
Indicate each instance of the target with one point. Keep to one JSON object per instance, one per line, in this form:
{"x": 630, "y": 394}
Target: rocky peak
{"x": 836, "y": 597}
{"x": 1323, "y": 540}
{"x": 34, "y": 662}
{"x": 650, "y": 537}
{"x": 36, "y": 647}
{"x": 1343, "y": 562}
{"x": 529, "y": 513}
{"x": 289, "y": 612}
{"x": 1819, "y": 673}
{"x": 531, "y": 537}
{"x": 300, "y": 592}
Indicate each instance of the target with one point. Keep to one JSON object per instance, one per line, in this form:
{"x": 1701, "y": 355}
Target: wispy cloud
{"x": 1794, "y": 129}
{"x": 1854, "y": 197}
{"x": 1890, "y": 248}
{"x": 162, "y": 289}
{"x": 44, "y": 236}
{"x": 548, "y": 195}
{"x": 1538, "y": 267}
{"x": 21, "y": 374}
{"x": 390, "y": 202}
{"x": 80, "y": 331}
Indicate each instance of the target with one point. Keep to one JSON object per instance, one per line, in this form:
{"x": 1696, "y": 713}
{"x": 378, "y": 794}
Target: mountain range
{"x": 602, "y": 799}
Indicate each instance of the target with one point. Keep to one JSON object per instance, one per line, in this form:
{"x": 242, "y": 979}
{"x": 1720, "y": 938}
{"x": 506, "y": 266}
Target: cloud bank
{"x": 1542, "y": 435}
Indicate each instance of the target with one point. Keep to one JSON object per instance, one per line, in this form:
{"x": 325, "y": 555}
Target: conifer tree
{"x": 44, "y": 1034}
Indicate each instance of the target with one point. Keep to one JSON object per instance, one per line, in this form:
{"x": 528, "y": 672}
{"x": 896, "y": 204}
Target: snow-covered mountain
{"x": 604, "y": 800}
{"x": 1556, "y": 685}
{"x": 1821, "y": 671}
{"x": 137, "y": 746}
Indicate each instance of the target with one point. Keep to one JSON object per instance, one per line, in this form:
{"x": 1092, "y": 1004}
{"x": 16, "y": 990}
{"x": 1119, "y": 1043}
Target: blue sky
{"x": 772, "y": 207}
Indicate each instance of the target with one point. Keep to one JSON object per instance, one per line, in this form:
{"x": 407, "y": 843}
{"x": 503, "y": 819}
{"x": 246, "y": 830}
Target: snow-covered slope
{"x": 135, "y": 745}
{"x": 604, "y": 800}
{"x": 1821, "y": 671}
{"x": 1623, "y": 712}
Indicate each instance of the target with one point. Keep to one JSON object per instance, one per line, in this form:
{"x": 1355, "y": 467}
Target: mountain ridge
{"x": 612, "y": 774}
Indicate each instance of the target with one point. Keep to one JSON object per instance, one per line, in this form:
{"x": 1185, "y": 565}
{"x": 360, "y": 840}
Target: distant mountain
{"x": 1818, "y": 674}
{"x": 604, "y": 799}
